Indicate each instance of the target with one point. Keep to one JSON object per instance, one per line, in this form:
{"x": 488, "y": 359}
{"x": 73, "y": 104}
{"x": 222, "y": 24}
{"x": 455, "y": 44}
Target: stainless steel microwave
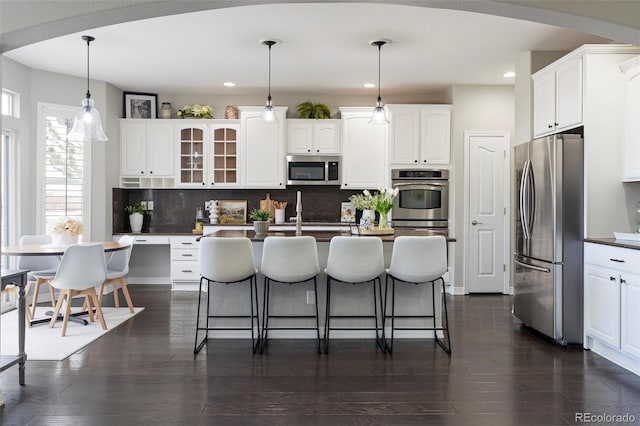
{"x": 313, "y": 170}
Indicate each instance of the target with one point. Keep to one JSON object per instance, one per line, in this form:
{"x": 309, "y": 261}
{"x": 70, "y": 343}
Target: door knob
{"x": 475, "y": 222}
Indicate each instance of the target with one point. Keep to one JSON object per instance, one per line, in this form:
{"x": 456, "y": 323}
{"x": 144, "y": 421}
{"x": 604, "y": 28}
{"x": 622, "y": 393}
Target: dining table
{"x": 52, "y": 250}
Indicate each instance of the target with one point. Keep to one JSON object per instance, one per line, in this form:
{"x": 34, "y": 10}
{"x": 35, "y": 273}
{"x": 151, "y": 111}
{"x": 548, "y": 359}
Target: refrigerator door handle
{"x": 535, "y": 268}
{"x": 523, "y": 200}
{"x": 531, "y": 206}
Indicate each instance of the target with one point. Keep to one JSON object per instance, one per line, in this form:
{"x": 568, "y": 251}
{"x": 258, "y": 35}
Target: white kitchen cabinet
{"x": 630, "y": 312}
{"x": 611, "y": 300}
{"x": 208, "y": 153}
{"x": 420, "y": 134}
{"x": 262, "y": 149}
{"x": 602, "y": 304}
{"x": 557, "y": 96}
{"x": 631, "y": 71}
{"x": 313, "y": 137}
{"x": 364, "y": 150}
{"x": 184, "y": 263}
{"x": 146, "y": 153}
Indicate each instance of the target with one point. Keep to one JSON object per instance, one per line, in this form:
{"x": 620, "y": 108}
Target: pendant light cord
{"x": 88, "y": 39}
{"x": 269, "y": 94}
{"x": 379, "y": 49}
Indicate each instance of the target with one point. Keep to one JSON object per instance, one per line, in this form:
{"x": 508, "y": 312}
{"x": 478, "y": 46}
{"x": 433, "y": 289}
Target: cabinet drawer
{"x": 184, "y": 242}
{"x": 151, "y": 239}
{"x": 184, "y": 254}
{"x": 184, "y": 271}
{"x": 620, "y": 259}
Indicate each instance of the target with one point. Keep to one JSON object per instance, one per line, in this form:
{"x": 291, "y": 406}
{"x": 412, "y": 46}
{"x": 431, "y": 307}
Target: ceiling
{"x": 325, "y": 48}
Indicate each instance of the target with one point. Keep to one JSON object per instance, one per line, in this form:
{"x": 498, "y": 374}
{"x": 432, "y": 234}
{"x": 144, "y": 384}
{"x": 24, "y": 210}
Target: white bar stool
{"x": 227, "y": 261}
{"x": 353, "y": 261}
{"x": 289, "y": 260}
{"x": 418, "y": 260}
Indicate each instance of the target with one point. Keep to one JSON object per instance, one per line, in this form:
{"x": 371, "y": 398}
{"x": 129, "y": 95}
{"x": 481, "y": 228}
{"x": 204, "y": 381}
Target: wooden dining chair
{"x": 81, "y": 270}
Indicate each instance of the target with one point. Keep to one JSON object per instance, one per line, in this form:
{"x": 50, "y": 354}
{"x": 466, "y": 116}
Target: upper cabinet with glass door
{"x": 223, "y": 154}
{"x": 191, "y": 138}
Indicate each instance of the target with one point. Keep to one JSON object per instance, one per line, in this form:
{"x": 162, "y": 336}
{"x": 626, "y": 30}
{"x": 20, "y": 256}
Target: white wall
{"x": 474, "y": 108}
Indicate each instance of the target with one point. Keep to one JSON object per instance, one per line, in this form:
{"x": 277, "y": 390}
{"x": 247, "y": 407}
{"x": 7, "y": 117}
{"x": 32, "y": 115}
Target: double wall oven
{"x": 423, "y": 199}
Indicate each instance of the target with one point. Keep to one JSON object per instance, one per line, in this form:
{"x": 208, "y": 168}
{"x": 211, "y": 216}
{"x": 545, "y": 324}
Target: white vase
{"x": 62, "y": 239}
{"x": 368, "y": 219}
{"x": 261, "y": 226}
{"x": 135, "y": 220}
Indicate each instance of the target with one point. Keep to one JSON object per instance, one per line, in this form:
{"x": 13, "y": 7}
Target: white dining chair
{"x": 41, "y": 270}
{"x": 355, "y": 261}
{"x": 289, "y": 260}
{"x": 117, "y": 269}
{"x": 418, "y": 260}
{"x": 81, "y": 270}
{"x": 226, "y": 261}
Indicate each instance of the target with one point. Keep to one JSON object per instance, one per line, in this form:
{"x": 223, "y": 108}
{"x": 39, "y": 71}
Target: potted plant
{"x": 136, "y": 216}
{"x": 261, "y": 219}
{"x": 310, "y": 110}
{"x": 367, "y": 203}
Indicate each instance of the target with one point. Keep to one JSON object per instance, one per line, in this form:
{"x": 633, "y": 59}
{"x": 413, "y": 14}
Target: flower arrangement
{"x": 364, "y": 201}
{"x": 198, "y": 111}
{"x": 69, "y": 226}
{"x": 382, "y": 202}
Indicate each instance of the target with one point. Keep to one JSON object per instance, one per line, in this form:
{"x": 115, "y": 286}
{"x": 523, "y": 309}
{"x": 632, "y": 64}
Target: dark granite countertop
{"x": 320, "y": 236}
{"x": 634, "y": 245}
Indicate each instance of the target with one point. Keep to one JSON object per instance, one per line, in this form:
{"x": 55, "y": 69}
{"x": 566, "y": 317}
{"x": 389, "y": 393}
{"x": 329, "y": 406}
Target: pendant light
{"x": 269, "y": 113}
{"x": 87, "y": 125}
{"x": 379, "y": 116}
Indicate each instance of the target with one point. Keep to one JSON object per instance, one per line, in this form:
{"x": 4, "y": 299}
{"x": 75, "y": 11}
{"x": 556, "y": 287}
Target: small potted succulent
{"x": 136, "y": 216}
{"x": 261, "y": 219}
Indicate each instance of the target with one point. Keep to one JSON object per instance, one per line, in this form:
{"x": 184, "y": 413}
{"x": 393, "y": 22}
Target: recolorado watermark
{"x": 604, "y": 418}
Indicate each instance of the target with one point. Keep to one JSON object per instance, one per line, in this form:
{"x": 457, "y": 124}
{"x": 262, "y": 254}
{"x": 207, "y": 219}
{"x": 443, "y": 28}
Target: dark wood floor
{"x": 144, "y": 372}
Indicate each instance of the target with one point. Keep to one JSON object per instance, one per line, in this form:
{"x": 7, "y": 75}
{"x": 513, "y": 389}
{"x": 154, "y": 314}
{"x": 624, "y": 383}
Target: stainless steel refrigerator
{"x": 549, "y": 230}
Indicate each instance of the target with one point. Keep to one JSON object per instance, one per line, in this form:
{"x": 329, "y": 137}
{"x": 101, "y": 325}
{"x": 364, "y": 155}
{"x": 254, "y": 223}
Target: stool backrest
{"x": 82, "y": 266}
{"x": 225, "y": 259}
{"x": 353, "y": 259}
{"x": 418, "y": 259}
{"x": 290, "y": 259}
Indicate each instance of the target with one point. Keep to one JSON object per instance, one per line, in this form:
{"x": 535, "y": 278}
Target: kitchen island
{"x": 297, "y": 299}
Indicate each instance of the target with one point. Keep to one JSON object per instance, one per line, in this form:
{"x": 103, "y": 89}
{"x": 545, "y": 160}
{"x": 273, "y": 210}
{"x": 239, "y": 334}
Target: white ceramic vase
{"x": 261, "y": 226}
{"x": 62, "y": 239}
{"x": 135, "y": 220}
{"x": 368, "y": 219}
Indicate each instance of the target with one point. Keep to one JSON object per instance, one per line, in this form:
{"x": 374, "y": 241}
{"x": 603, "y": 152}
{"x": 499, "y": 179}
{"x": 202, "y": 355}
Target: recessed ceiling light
{"x": 509, "y": 74}
{"x": 230, "y": 84}
{"x": 369, "y": 85}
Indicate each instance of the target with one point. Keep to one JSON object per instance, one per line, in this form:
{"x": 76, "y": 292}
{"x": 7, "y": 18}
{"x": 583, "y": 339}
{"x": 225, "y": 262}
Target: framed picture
{"x": 233, "y": 211}
{"x": 347, "y": 212}
{"x": 140, "y": 105}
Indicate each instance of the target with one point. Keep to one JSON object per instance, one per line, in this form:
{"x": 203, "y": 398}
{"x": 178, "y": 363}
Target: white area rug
{"x": 47, "y": 344}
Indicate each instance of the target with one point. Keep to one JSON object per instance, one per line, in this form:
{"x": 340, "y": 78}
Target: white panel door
{"x": 630, "y": 314}
{"x": 133, "y": 148}
{"x": 602, "y": 304}
{"x": 486, "y": 237}
{"x": 160, "y": 144}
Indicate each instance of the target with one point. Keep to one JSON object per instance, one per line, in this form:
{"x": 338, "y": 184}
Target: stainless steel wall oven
{"x": 423, "y": 198}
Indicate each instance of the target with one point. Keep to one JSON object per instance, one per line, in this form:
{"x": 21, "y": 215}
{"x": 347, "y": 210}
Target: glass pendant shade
{"x": 87, "y": 125}
{"x": 379, "y": 116}
{"x": 269, "y": 113}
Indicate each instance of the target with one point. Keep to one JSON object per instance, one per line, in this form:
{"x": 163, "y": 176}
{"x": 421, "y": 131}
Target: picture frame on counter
{"x": 140, "y": 105}
{"x": 233, "y": 211}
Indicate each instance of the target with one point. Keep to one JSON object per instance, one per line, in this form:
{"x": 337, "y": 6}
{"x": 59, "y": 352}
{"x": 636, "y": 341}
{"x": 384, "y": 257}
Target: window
{"x": 10, "y": 103}
{"x": 63, "y": 175}
{"x": 8, "y": 192}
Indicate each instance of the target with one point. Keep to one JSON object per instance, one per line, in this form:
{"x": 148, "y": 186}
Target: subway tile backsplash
{"x": 175, "y": 209}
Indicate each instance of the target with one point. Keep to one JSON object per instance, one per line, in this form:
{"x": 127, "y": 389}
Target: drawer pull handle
{"x": 617, "y": 260}
{"x": 187, "y": 244}
{"x": 187, "y": 270}
{"x": 140, "y": 240}
{"x": 187, "y": 255}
